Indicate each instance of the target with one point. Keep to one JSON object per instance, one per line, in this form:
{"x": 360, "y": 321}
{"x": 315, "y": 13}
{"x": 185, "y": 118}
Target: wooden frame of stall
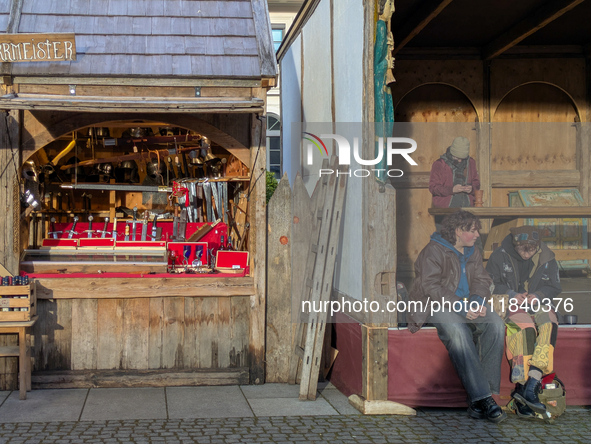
{"x": 445, "y": 85}
{"x": 142, "y": 331}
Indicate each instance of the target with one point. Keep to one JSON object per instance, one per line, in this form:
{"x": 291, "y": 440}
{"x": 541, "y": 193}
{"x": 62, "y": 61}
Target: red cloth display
{"x": 133, "y": 275}
{"x": 213, "y": 238}
{"x": 421, "y": 374}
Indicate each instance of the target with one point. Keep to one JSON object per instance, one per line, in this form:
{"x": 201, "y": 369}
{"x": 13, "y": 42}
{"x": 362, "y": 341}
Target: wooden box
{"x": 18, "y": 297}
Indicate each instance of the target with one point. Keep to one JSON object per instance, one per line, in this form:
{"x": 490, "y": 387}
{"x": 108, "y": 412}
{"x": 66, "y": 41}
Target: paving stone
{"x": 206, "y": 402}
{"x": 127, "y": 403}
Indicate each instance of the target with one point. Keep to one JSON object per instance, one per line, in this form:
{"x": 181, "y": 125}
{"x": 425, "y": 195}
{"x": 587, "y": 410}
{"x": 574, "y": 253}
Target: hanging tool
{"x": 207, "y": 195}
{"x": 126, "y": 233}
{"x": 183, "y": 225}
{"x": 49, "y": 200}
{"x": 186, "y": 164}
{"x": 59, "y": 204}
{"x": 178, "y": 167}
{"x": 175, "y": 224}
{"x": 171, "y": 174}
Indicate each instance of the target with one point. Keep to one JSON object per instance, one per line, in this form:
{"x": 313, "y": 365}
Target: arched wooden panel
{"x": 439, "y": 113}
{"x": 533, "y": 129}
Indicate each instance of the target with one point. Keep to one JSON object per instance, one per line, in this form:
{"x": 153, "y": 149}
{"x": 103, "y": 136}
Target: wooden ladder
{"x": 309, "y": 337}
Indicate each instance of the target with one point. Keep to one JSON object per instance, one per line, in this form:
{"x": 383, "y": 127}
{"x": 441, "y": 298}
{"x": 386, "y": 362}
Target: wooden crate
{"x": 12, "y": 297}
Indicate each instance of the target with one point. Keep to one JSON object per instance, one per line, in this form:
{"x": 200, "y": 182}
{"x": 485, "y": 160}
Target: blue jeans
{"x": 475, "y": 349}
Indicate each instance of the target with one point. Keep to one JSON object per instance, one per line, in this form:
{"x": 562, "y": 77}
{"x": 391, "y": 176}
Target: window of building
{"x": 278, "y": 31}
{"x": 274, "y": 145}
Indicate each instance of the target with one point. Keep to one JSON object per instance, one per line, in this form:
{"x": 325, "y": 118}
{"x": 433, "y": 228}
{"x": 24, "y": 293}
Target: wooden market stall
{"x": 144, "y": 112}
{"x": 515, "y": 79}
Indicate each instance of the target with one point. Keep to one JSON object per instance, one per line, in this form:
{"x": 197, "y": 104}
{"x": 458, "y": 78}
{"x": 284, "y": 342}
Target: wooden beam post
{"x": 375, "y": 363}
{"x": 536, "y": 20}
{"x": 10, "y": 162}
{"x": 417, "y": 22}
{"x": 483, "y": 127}
{"x": 257, "y": 244}
{"x": 584, "y": 136}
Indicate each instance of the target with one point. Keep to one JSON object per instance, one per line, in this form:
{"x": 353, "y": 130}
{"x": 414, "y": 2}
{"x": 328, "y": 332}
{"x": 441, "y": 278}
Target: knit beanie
{"x": 460, "y": 148}
{"x": 526, "y": 235}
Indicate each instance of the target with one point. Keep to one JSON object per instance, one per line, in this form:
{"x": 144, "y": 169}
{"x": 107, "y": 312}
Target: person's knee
{"x": 495, "y": 324}
{"x": 455, "y": 335}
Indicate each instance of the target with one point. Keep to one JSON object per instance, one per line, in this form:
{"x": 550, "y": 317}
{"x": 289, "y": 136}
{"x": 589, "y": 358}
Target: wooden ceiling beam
{"x": 536, "y": 20}
{"x": 426, "y": 12}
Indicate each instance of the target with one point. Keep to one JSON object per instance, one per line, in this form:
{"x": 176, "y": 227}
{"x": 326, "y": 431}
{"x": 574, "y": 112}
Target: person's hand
{"x": 520, "y": 297}
{"x": 531, "y": 297}
{"x": 471, "y": 315}
{"x": 482, "y": 311}
{"x": 468, "y": 189}
{"x": 458, "y": 189}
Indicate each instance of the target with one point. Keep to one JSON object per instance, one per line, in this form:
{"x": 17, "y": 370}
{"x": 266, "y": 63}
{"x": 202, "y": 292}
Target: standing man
{"x": 524, "y": 268}
{"x": 450, "y": 291}
{"x": 454, "y": 177}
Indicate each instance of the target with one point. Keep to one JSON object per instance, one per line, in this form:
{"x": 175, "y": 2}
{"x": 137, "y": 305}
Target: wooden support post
{"x": 9, "y": 178}
{"x": 257, "y": 240}
{"x": 279, "y": 326}
{"x": 483, "y": 155}
{"x": 374, "y": 373}
{"x": 584, "y": 140}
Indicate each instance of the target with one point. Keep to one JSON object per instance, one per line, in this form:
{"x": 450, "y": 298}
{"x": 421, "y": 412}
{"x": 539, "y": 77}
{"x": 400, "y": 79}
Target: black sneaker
{"x": 487, "y": 408}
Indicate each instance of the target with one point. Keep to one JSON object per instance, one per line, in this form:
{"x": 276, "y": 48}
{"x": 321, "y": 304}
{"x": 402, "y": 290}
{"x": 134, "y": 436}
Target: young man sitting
{"x": 524, "y": 268}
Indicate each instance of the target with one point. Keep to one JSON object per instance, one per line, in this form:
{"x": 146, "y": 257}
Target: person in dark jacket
{"x": 524, "y": 268}
{"x": 451, "y": 291}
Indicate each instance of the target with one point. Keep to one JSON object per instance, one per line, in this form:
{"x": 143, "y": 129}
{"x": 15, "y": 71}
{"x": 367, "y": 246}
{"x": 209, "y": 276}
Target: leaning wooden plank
{"x": 319, "y": 268}
{"x": 326, "y": 288}
{"x": 302, "y": 291}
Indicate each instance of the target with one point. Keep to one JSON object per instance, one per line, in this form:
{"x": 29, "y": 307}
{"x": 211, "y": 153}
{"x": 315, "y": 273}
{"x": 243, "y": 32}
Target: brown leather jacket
{"x": 437, "y": 272}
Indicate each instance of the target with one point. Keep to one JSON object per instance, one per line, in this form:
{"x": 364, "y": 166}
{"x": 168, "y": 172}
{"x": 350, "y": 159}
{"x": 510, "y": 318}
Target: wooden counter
{"x": 126, "y": 288}
{"x": 142, "y": 332}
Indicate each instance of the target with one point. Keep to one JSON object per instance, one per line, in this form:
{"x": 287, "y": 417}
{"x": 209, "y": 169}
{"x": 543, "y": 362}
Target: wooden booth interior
{"x": 124, "y": 301}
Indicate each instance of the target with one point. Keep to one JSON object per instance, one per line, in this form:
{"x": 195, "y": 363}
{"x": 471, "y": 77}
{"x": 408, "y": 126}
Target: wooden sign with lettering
{"x": 52, "y": 47}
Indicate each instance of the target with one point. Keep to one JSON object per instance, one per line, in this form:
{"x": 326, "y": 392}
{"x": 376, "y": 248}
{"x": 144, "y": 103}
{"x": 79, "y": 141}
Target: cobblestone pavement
{"x": 428, "y": 426}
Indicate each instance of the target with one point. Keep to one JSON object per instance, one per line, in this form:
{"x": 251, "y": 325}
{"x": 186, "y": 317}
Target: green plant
{"x": 271, "y": 185}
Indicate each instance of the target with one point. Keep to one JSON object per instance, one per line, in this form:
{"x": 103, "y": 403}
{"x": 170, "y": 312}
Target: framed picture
{"x": 554, "y": 198}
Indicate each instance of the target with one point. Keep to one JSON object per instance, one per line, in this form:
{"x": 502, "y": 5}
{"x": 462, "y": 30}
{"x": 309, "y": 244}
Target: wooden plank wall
{"x": 551, "y": 92}
{"x": 9, "y": 159}
{"x": 136, "y": 334}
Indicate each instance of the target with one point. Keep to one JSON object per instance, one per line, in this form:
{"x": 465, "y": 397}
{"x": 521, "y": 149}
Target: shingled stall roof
{"x": 150, "y": 38}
